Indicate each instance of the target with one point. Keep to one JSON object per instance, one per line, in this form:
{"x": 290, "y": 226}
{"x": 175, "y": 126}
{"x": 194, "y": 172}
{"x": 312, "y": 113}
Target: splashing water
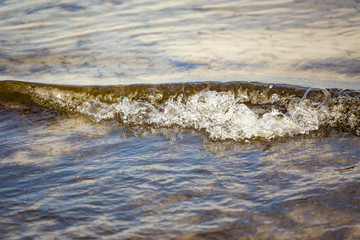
{"x": 236, "y": 113}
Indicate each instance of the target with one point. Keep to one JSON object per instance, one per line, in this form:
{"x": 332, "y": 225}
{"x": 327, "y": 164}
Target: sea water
{"x": 179, "y": 119}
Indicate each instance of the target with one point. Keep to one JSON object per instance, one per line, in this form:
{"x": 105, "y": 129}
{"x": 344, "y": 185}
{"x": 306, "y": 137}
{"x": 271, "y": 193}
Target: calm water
{"x": 140, "y": 120}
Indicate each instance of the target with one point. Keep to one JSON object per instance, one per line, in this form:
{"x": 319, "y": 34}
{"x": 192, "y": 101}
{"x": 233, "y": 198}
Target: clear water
{"x": 137, "y": 120}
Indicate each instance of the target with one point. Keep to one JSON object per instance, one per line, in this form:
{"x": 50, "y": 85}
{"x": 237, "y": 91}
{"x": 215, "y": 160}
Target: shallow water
{"x": 77, "y": 180}
{"x": 226, "y": 161}
{"x": 137, "y": 120}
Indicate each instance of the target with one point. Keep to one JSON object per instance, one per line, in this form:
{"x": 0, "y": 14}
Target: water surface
{"x": 120, "y": 42}
{"x": 141, "y": 120}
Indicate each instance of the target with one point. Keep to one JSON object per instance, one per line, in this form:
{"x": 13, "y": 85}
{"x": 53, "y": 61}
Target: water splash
{"x": 232, "y": 111}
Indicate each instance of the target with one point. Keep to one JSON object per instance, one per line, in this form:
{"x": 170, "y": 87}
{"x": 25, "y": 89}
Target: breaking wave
{"x": 238, "y": 110}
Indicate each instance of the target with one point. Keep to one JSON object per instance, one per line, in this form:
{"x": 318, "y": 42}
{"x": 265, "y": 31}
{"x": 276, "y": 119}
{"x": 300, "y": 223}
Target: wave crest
{"x": 237, "y": 111}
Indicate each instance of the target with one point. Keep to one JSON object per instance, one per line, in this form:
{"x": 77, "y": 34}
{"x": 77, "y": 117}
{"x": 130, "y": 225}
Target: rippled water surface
{"x": 140, "y": 120}
{"x": 114, "y": 42}
{"x": 73, "y": 179}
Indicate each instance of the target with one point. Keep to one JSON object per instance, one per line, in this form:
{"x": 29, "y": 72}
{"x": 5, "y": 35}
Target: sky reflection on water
{"x": 106, "y": 42}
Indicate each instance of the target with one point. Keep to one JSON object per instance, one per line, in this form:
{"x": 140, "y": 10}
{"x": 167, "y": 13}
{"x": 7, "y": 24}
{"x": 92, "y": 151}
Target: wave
{"x": 239, "y": 111}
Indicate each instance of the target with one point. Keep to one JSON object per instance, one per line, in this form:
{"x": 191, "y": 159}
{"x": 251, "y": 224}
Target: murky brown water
{"x": 233, "y": 160}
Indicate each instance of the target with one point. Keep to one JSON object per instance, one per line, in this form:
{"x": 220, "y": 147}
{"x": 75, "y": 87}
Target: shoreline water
{"x": 223, "y": 110}
{"x": 187, "y": 120}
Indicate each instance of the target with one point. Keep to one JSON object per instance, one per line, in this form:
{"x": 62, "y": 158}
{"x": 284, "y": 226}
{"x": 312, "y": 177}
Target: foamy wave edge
{"x": 237, "y": 111}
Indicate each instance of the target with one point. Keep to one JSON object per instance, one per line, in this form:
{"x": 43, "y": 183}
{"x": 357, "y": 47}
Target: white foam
{"x": 220, "y": 114}
{"x": 222, "y": 117}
